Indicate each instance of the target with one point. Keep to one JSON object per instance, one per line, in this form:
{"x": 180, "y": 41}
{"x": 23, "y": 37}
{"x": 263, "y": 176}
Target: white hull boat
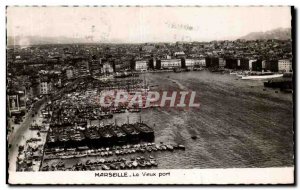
{"x": 261, "y": 77}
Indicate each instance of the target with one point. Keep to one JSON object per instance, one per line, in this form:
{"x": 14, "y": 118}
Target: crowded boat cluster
{"x": 74, "y": 110}
{"x": 80, "y": 152}
{"x": 109, "y": 83}
{"x": 82, "y": 101}
{"x": 79, "y": 128}
{"x": 105, "y": 164}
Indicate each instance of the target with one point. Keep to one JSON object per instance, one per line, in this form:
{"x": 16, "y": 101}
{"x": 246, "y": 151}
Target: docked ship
{"x": 107, "y": 136}
{"x": 93, "y": 138}
{"x": 261, "y": 76}
{"x": 121, "y": 136}
{"x": 77, "y": 137}
{"x": 64, "y": 138}
{"x": 147, "y": 133}
{"x": 132, "y": 133}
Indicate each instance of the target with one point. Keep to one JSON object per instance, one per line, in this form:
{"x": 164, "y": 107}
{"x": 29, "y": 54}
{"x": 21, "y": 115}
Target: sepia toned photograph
{"x": 150, "y": 95}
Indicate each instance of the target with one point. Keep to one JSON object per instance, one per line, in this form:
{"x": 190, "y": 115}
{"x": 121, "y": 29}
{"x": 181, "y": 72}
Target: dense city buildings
{"x": 76, "y": 60}
{"x": 43, "y": 65}
{"x": 55, "y": 89}
{"x": 141, "y": 65}
{"x": 194, "y": 63}
{"x": 45, "y": 86}
{"x": 16, "y": 102}
{"x": 170, "y": 63}
{"x": 284, "y": 65}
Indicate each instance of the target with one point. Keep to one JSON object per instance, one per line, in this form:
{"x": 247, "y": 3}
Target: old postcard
{"x": 150, "y": 95}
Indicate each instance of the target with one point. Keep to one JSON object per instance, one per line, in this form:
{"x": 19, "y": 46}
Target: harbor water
{"x": 239, "y": 123}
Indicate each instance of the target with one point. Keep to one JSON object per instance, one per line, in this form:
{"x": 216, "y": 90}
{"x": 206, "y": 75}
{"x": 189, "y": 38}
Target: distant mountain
{"x": 279, "y": 34}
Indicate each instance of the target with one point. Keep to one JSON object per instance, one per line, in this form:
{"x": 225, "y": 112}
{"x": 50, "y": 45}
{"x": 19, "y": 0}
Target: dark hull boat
{"x": 93, "y": 138}
{"x": 146, "y": 132}
{"x": 108, "y": 137}
{"x": 132, "y": 133}
{"x": 121, "y": 136}
{"x": 77, "y": 138}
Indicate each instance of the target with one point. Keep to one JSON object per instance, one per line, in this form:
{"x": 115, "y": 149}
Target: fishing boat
{"x": 129, "y": 164}
{"x": 142, "y": 150}
{"x": 181, "y": 147}
{"x": 135, "y": 164}
{"x": 149, "y": 149}
{"x": 101, "y": 161}
{"x": 113, "y": 166}
{"x": 148, "y": 163}
{"x": 88, "y": 162}
{"x": 163, "y": 147}
{"x": 153, "y": 162}
{"x": 170, "y": 147}
{"x": 122, "y": 165}
{"x": 105, "y": 167}
{"x": 117, "y": 166}
{"x": 158, "y": 147}
{"x": 142, "y": 164}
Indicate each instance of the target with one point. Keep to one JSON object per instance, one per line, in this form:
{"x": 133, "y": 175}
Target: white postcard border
{"x": 163, "y": 177}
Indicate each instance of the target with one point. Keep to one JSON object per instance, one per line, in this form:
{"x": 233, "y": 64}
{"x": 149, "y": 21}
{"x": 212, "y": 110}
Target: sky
{"x": 145, "y": 24}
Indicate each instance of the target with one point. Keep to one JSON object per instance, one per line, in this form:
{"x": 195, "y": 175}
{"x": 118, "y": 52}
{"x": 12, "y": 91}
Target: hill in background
{"x": 279, "y": 34}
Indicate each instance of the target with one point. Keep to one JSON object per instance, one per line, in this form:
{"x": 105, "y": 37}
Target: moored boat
{"x": 170, "y": 147}
{"x": 261, "y": 76}
{"x": 130, "y": 130}
{"x": 147, "y": 133}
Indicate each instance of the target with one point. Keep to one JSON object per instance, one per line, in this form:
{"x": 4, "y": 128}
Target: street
{"x": 20, "y": 134}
